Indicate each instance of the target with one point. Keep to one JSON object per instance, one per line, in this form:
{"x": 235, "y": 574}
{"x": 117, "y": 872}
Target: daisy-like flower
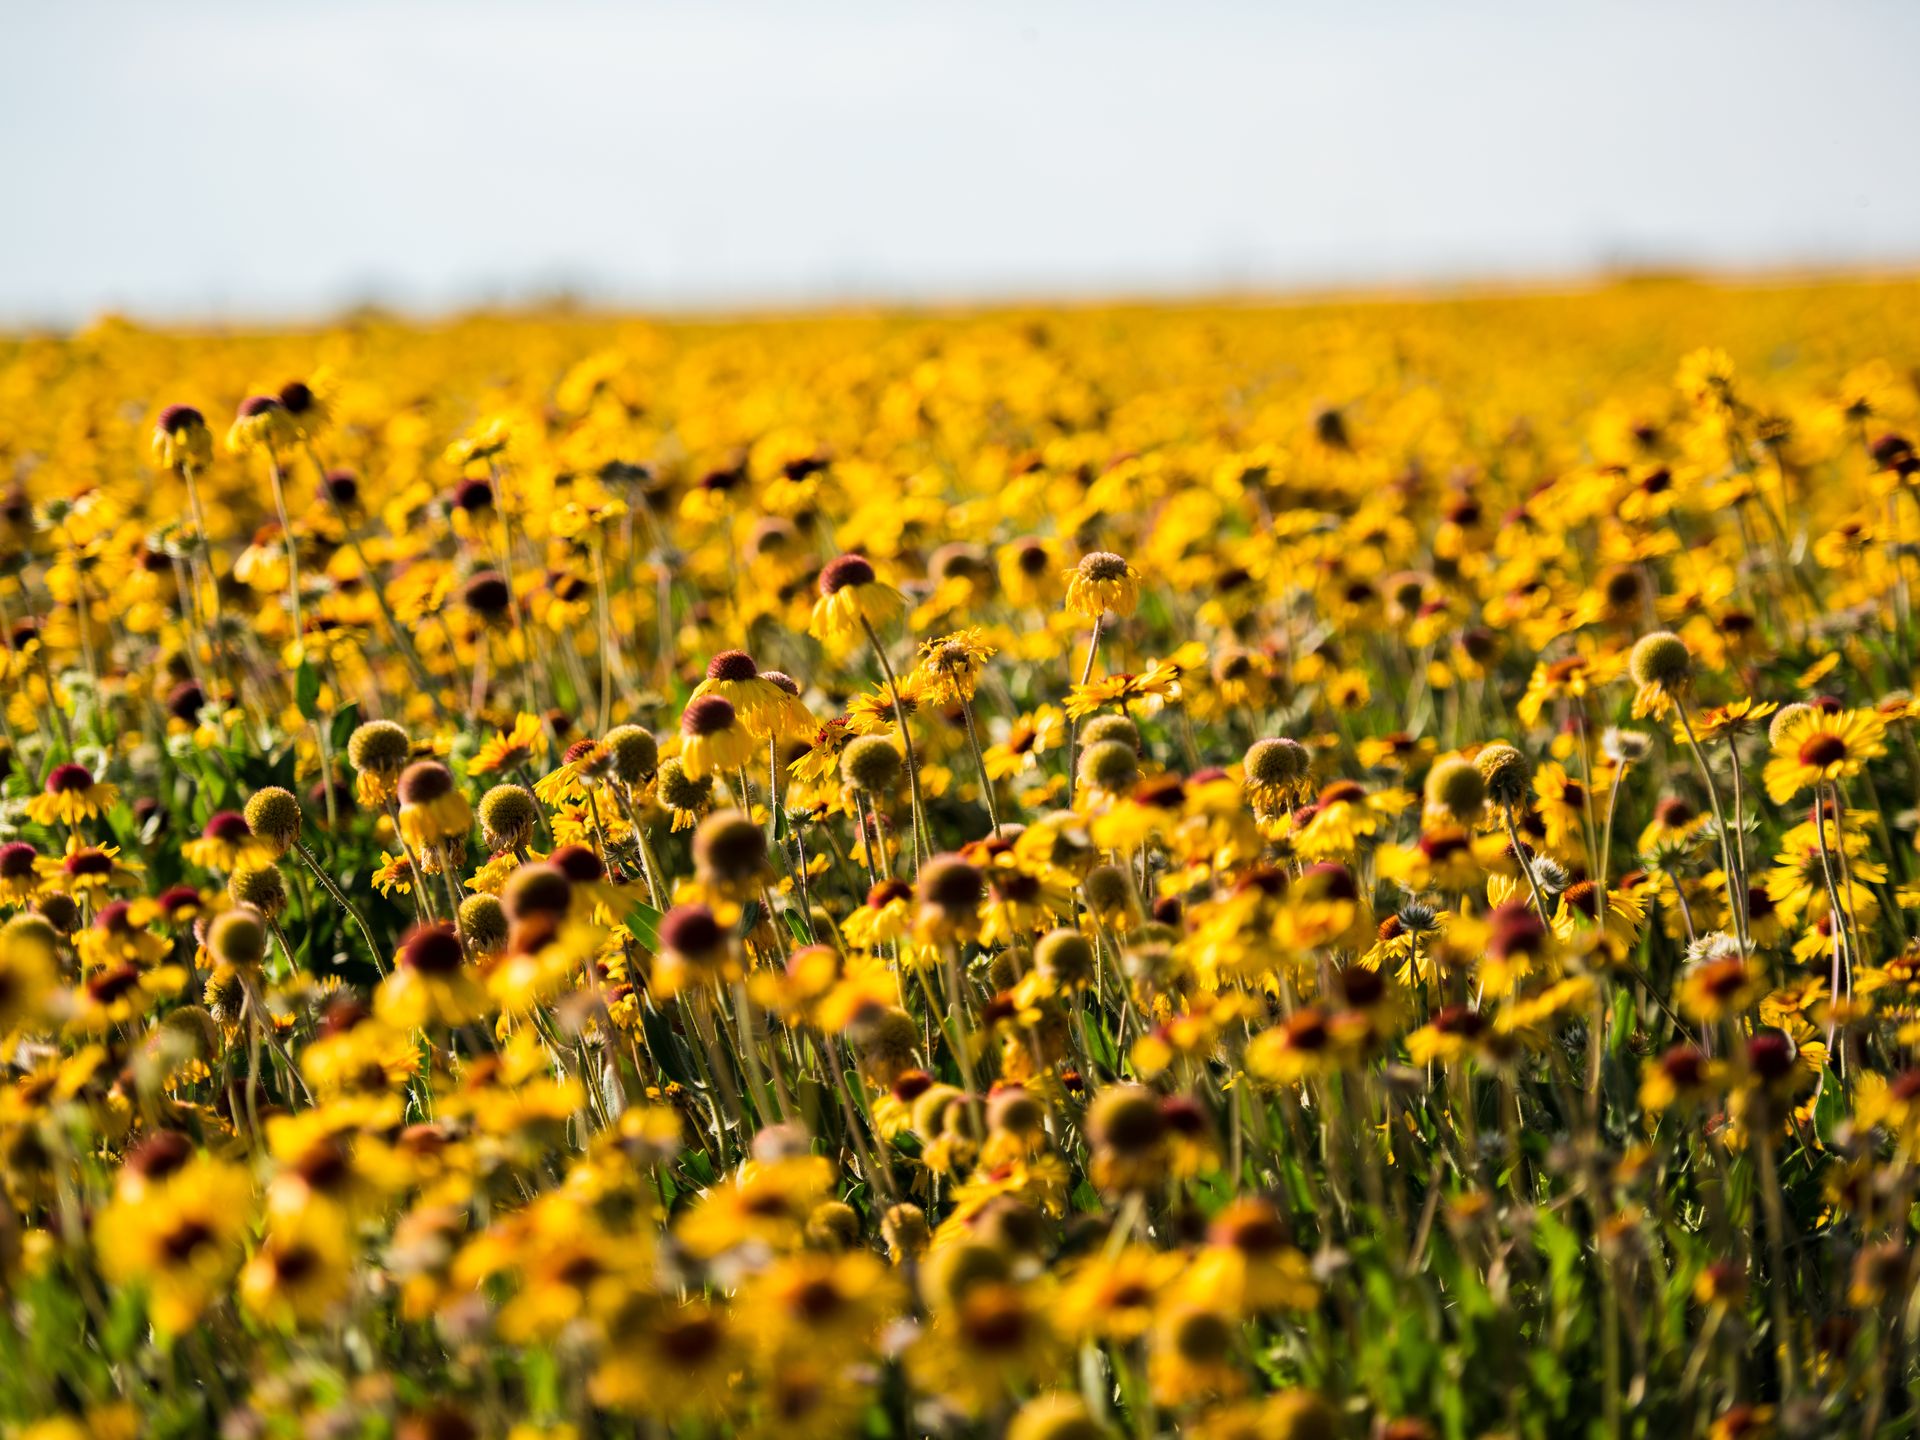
{"x": 1719, "y": 984}
{"x": 1573, "y": 678}
{"x": 262, "y": 424}
{"x": 431, "y": 983}
{"x": 696, "y": 952}
{"x": 307, "y": 408}
{"x": 179, "y": 1230}
{"x": 508, "y": 750}
{"x": 713, "y": 741}
{"x": 1560, "y": 802}
{"x": 1028, "y": 739}
{"x": 1302, "y": 1048}
{"x": 1029, "y": 572}
{"x": 852, "y": 601}
{"x": 1100, "y": 583}
{"x": 29, "y": 972}
{"x": 181, "y": 439}
{"x": 1580, "y": 905}
{"x": 586, "y": 764}
{"x": 20, "y": 875}
{"x": 225, "y": 842}
{"x": 1813, "y": 747}
{"x": 684, "y": 797}
{"x": 874, "y": 712}
{"x": 1661, "y": 667}
{"x": 378, "y": 751}
{"x": 71, "y": 795}
{"x": 1684, "y": 1075}
{"x": 433, "y": 809}
{"x": 119, "y": 936}
{"x": 302, "y": 1270}
{"x": 87, "y": 870}
{"x": 763, "y": 705}
{"x": 950, "y": 666}
{"x": 392, "y": 874}
{"x": 885, "y": 915}
{"x": 1153, "y": 688}
{"x": 950, "y": 892}
{"x": 1341, "y": 817}
{"x": 121, "y": 994}
{"x": 1454, "y": 1034}
{"x": 1734, "y": 718}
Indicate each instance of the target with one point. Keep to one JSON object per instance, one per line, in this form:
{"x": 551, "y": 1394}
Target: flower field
{"x": 1343, "y": 869}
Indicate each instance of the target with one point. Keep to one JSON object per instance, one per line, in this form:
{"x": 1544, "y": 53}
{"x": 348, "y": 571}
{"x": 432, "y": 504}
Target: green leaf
{"x": 669, "y": 1051}
{"x": 1624, "y": 1021}
{"x": 643, "y": 921}
{"x": 306, "y": 689}
{"x": 1829, "y": 1110}
{"x": 345, "y": 721}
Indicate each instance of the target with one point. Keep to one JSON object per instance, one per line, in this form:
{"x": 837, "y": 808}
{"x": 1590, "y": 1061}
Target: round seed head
{"x": 1056, "y": 1417}
{"x": 238, "y": 937}
{"x": 904, "y": 1228}
{"x": 433, "y": 950}
{"x": 378, "y": 745}
{"x": 1455, "y": 786}
{"x": 636, "y": 754}
{"x": 536, "y": 890}
{"x": 17, "y": 859}
{"x": 1784, "y": 717}
{"x": 729, "y": 850}
{"x": 425, "y": 781}
{"x": 29, "y": 929}
{"x": 59, "y": 910}
{"x": 953, "y": 1270}
{"x": 871, "y": 765}
{"x": 1006, "y": 967}
{"x": 691, "y": 931}
{"x": 1064, "y": 957}
{"x": 708, "y": 715}
{"x": 68, "y": 776}
{"x": 488, "y": 595}
{"x": 1505, "y": 773}
{"x": 680, "y": 791}
{"x": 1126, "y": 1119}
{"x": 273, "y": 816}
{"x": 508, "y": 814}
{"x": 1103, "y": 565}
{"x": 1015, "y": 1109}
{"x": 579, "y": 863}
{"x": 1111, "y": 727}
{"x": 1277, "y": 762}
{"x": 1662, "y": 659}
{"x": 845, "y": 570}
{"x": 951, "y": 885}
{"x": 483, "y": 923}
{"x": 1108, "y": 889}
{"x": 886, "y": 1039}
{"x": 732, "y": 665}
{"x": 224, "y": 995}
{"x": 261, "y": 886}
{"x": 833, "y": 1225}
{"x": 1112, "y": 765}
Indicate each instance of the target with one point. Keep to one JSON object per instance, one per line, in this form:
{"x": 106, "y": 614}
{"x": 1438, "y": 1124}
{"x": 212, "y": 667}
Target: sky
{"x": 217, "y": 159}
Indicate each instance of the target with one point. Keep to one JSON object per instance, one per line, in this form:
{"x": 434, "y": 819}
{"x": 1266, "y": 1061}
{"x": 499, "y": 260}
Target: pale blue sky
{"x": 215, "y": 157}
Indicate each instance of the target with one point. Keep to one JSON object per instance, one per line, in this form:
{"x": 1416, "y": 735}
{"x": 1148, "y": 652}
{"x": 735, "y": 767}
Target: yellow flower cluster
{"x": 1333, "y": 870}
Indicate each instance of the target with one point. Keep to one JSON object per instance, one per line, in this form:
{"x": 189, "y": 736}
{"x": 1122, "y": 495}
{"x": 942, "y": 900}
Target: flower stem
{"x": 921, "y": 833}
